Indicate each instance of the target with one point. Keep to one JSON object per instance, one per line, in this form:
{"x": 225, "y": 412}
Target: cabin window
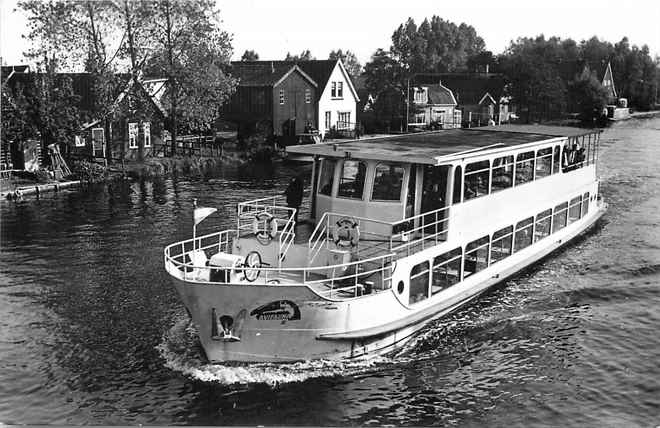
{"x": 574, "y": 209}
{"x": 327, "y": 176}
{"x": 458, "y": 184}
{"x": 524, "y": 168}
{"x": 556, "y": 160}
{"x": 585, "y": 204}
{"x": 477, "y": 176}
{"x": 501, "y": 245}
{"x": 351, "y": 182}
{"x": 132, "y": 135}
{"x": 281, "y": 96}
{"x": 146, "y": 129}
{"x": 308, "y": 96}
{"x": 559, "y": 217}
{"x": 502, "y": 173}
{"x": 419, "y": 283}
{"x": 523, "y": 236}
{"x": 388, "y": 181}
{"x": 543, "y": 224}
{"x": 476, "y": 256}
{"x": 543, "y": 162}
{"x": 446, "y": 270}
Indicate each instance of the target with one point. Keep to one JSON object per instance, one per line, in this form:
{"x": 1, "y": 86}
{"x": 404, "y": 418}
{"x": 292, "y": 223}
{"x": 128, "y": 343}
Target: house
{"x": 480, "y": 96}
{"x": 273, "y": 97}
{"x": 291, "y": 95}
{"x": 127, "y": 129}
{"x": 433, "y": 106}
{"x": 608, "y": 84}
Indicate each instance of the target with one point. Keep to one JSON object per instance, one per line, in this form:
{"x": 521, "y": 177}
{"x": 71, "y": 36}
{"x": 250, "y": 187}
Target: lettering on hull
{"x": 280, "y": 310}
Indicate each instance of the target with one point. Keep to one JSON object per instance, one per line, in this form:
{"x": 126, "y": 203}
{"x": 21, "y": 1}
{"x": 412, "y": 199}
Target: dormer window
{"x": 421, "y": 95}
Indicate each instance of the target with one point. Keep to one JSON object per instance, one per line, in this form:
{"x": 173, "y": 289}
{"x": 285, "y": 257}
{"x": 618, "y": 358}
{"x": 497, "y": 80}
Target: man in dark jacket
{"x": 294, "y": 195}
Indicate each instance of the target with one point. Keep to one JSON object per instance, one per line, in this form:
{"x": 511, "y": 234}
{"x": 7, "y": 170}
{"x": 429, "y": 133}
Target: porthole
{"x": 399, "y": 287}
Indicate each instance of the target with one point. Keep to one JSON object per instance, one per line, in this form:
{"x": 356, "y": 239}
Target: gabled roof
{"x": 608, "y": 80}
{"x": 468, "y": 88}
{"x": 265, "y": 73}
{"x": 439, "y": 94}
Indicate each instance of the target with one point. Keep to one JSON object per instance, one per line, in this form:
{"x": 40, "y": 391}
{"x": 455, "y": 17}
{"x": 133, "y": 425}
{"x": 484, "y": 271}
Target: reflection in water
{"x": 93, "y": 333}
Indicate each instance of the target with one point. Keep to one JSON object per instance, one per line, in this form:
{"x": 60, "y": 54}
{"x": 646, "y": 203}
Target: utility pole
{"x": 407, "y": 104}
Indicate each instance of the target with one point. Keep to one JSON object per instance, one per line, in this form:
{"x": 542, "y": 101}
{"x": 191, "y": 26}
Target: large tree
{"x": 250, "y": 55}
{"x": 305, "y": 55}
{"x": 349, "y": 60}
{"x": 590, "y": 97}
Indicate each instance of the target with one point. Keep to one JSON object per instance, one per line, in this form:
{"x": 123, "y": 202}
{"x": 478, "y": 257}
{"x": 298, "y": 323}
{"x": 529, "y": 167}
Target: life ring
{"x": 264, "y": 227}
{"x": 347, "y": 233}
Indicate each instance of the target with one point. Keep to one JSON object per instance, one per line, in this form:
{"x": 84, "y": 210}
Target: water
{"x": 91, "y": 332}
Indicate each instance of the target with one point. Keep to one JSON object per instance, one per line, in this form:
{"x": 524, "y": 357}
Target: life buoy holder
{"x": 347, "y": 233}
{"x": 264, "y": 227}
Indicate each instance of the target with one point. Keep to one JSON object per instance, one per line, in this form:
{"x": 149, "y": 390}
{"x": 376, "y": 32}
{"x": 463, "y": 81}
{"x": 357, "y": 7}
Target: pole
{"x": 194, "y": 224}
{"x": 407, "y": 104}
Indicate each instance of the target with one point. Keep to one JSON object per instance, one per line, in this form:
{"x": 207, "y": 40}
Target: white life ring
{"x": 347, "y": 233}
{"x": 264, "y": 227}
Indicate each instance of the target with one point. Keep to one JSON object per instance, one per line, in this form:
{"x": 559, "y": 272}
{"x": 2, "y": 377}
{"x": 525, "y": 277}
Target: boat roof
{"x": 438, "y": 147}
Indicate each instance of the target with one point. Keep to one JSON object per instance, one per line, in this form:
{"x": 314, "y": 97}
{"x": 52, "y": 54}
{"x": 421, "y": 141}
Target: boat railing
{"x": 344, "y": 280}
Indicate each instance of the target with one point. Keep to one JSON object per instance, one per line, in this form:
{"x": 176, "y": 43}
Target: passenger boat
{"x": 405, "y": 229}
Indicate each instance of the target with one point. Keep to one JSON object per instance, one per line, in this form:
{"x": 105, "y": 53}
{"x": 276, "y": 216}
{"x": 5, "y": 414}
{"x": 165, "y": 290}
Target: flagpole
{"x": 194, "y": 223}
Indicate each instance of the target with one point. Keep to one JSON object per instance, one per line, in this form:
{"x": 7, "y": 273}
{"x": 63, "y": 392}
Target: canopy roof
{"x": 438, "y": 147}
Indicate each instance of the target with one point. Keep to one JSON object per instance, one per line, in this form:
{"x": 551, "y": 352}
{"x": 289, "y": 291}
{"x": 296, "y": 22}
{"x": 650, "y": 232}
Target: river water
{"x": 91, "y": 332}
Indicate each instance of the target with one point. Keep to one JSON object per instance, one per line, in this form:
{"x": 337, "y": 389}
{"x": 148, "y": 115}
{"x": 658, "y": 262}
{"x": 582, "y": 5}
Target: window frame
{"x": 574, "y": 204}
{"x": 282, "y": 98}
{"x": 308, "y": 96}
{"x": 498, "y": 236}
{"x": 486, "y": 245}
{"x": 560, "y": 209}
{"x": 503, "y": 167}
{"x": 333, "y": 89}
{"x": 546, "y": 171}
{"x": 415, "y": 275}
{"x": 585, "y": 204}
{"x": 133, "y": 131}
{"x": 79, "y": 140}
{"x": 482, "y": 171}
{"x": 341, "y": 178}
{"x": 146, "y": 131}
{"x": 373, "y": 185}
{"x": 340, "y": 90}
{"x": 443, "y": 260}
{"x": 332, "y": 177}
{"x": 521, "y": 226}
{"x": 532, "y": 159}
{"x": 540, "y": 218}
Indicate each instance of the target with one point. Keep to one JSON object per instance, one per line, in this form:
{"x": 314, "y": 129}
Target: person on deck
{"x": 294, "y": 195}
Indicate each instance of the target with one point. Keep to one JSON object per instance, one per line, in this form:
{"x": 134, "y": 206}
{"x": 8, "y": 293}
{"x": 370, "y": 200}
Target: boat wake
{"x": 182, "y": 352}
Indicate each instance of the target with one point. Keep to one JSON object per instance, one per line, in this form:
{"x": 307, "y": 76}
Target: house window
{"x": 333, "y": 90}
{"x": 421, "y": 95}
{"x": 351, "y": 182}
{"x": 340, "y": 89}
{"x": 327, "y": 120}
{"x": 419, "y": 283}
{"x": 98, "y": 140}
{"x": 308, "y": 96}
{"x": 388, "y": 181}
{"x": 420, "y": 118}
{"x": 146, "y": 129}
{"x": 132, "y": 135}
{"x": 79, "y": 141}
{"x": 344, "y": 121}
{"x": 281, "y": 96}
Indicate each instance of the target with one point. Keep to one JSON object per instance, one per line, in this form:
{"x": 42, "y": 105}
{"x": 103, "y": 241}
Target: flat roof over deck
{"x": 437, "y": 146}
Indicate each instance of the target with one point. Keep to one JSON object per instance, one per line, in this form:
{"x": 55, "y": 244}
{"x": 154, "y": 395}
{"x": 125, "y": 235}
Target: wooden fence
{"x": 191, "y": 145}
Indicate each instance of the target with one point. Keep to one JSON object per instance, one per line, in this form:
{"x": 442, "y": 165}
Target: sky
{"x": 274, "y": 27}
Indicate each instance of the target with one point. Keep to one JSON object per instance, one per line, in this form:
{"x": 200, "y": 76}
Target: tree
{"x": 350, "y": 61}
{"x": 385, "y": 78}
{"x": 589, "y": 95}
{"x": 305, "y": 55}
{"x": 250, "y": 55}
{"x": 192, "y": 52}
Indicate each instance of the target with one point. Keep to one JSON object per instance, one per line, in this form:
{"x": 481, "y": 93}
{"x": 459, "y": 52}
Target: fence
{"x": 191, "y": 145}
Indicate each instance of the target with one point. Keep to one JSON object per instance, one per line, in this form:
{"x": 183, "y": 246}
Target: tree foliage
{"x": 250, "y": 55}
{"x": 589, "y": 94}
{"x": 350, "y": 61}
{"x": 305, "y": 55}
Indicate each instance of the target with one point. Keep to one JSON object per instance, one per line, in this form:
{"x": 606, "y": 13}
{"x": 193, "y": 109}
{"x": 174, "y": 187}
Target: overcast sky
{"x": 275, "y": 27}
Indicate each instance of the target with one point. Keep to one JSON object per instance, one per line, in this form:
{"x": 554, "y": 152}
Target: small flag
{"x": 201, "y": 213}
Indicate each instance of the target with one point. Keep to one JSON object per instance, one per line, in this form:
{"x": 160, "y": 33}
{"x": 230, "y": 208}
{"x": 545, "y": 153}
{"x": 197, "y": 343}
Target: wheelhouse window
{"x": 559, "y": 217}
{"x": 501, "y": 244}
{"x": 419, "y": 283}
{"x": 502, "y": 173}
{"x": 388, "y": 180}
{"x": 477, "y": 176}
{"x": 574, "y": 209}
{"x": 543, "y": 224}
{"x": 351, "y": 182}
{"x": 476, "y": 256}
{"x": 585, "y": 204}
{"x": 556, "y": 159}
{"x": 524, "y": 168}
{"x": 458, "y": 184}
{"x": 523, "y": 235}
{"x": 543, "y": 162}
{"x": 446, "y": 270}
{"x": 327, "y": 176}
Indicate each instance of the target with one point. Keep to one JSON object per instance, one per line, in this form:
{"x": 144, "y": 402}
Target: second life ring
{"x": 347, "y": 233}
{"x": 264, "y": 227}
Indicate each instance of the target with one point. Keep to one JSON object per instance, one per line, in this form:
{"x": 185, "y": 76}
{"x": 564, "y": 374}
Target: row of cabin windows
{"x": 388, "y": 180}
{"x": 482, "y": 178}
{"x": 308, "y": 96}
{"x": 454, "y": 266}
